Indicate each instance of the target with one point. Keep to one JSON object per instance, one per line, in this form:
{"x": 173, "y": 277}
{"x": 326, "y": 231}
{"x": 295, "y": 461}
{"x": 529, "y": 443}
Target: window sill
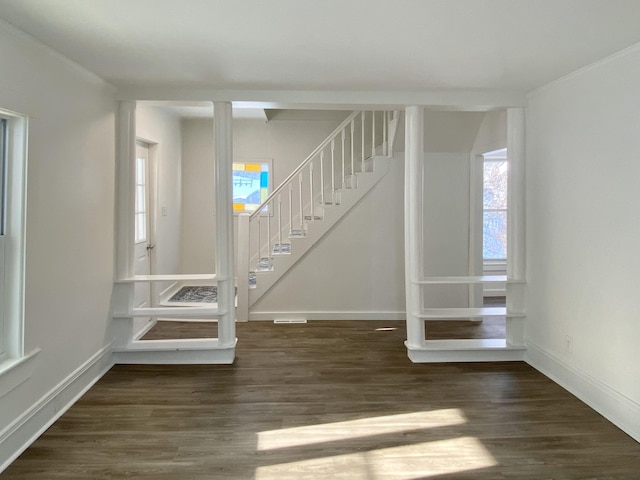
{"x": 15, "y": 371}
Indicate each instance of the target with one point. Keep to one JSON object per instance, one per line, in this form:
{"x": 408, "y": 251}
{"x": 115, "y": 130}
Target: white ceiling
{"x": 343, "y": 45}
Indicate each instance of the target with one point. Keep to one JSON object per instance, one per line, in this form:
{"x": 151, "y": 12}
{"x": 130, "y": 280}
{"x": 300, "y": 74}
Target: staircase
{"x": 311, "y": 201}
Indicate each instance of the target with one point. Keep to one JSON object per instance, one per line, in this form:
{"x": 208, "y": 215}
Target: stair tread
{"x": 281, "y": 249}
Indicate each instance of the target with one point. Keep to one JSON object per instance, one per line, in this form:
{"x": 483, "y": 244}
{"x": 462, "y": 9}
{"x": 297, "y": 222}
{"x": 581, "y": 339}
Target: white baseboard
{"x": 23, "y": 431}
{"x": 330, "y": 315}
{"x": 142, "y": 331}
{"x": 611, "y": 404}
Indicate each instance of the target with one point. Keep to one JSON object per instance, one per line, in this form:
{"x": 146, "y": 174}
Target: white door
{"x": 143, "y": 233}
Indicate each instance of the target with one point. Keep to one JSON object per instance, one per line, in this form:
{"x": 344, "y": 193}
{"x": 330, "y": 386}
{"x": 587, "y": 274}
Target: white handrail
{"x": 313, "y": 154}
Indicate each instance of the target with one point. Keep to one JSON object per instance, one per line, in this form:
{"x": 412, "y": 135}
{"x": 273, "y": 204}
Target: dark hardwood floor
{"x": 327, "y": 400}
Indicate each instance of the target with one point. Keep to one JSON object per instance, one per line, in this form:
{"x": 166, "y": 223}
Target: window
{"x": 141, "y": 194}
{"x": 251, "y": 185}
{"x": 494, "y": 225}
{"x": 13, "y": 132}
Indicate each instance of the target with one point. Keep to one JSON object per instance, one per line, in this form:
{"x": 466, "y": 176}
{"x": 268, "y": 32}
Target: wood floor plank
{"x": 327, "y": 400}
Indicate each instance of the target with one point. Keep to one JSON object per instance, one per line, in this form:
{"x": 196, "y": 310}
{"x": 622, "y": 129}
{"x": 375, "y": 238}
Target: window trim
{"x": 15, "y": 239}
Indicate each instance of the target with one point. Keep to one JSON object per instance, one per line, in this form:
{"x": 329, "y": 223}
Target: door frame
{"x": 152, "y": 210}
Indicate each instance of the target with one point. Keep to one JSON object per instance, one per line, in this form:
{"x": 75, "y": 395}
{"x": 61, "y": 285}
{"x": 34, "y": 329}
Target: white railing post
{"x": 244, "y": 240}
{"x": 414, "y": 147}
{"x": 223, "y": 141}
{"x": 515, "y": 222}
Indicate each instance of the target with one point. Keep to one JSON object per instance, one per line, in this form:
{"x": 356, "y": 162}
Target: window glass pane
{"x": 140, "y": 171}
{"x": 140, "y": 199}
{"x": 250, "y": 185}
{"x": 495, "y": 184}
{"x": 494, "y": 244}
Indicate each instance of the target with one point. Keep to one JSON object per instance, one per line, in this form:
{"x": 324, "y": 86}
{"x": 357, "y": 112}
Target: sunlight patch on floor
{"x": 364, "y": 427}
{"x": 407, "y": 462}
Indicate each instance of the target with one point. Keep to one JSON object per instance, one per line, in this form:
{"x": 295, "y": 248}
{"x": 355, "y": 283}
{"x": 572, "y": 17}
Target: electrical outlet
{"x": 568, "y": 344}
{"x": 163, "y": 211}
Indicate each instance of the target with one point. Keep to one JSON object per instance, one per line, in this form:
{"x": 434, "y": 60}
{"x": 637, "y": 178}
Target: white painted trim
{"x": 329, "y": 315}
{"x": 610, "y": 403}
{"x": 15, "y": 371}
{"x": 453, "y": 99}
{"x": 24, "y": 430}
{"x": 142, "y": 331}
{"x": 167, "y": 293}
{"x": 224, "y": 356}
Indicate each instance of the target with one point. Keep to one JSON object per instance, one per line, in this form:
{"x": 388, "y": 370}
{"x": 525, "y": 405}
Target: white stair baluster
{"x": 280, "y": 221}
{"x": 290, "y": 207}
{"x": 259, "y": 238}
{"x": 269, "y": 250}
{"x": 362, "y": 118}
{"x": 333, "y": 172}
{"x": 384, "y": 134}
{"x": 342, "y": 178}
{"x": 353, "y": 157}
{"x": 311, "y": 189}
{"x": 300, "y": 202}
{"x": 373, "y": 133}
{"x": 322, "y": 177}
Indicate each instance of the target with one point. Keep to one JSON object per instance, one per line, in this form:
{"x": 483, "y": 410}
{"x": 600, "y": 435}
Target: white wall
{"x": 355, "y": 271}
{"x": 446, "y": 227}
{"x": 583, "y": 233}
{"x": 69, "y": 271}
{"x": 492, "y": 134}
{"x": 162, "y": 130}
